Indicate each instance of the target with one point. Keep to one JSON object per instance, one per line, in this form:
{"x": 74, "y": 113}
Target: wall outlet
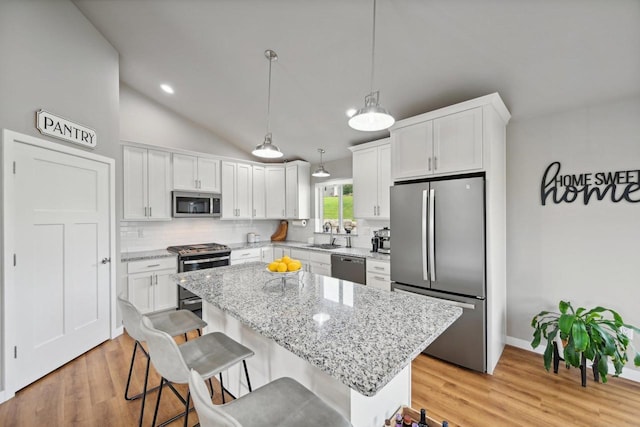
{"x": 627, "y": 331}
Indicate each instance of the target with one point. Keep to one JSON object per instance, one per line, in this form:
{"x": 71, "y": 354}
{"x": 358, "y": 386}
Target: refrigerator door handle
{"x": 425, "y": 271}
{"x": 432, "y": 236}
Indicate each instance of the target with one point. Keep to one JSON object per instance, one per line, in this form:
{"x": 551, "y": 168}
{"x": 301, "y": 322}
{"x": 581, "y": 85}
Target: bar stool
{"x": 209, "y": 354}
{"x": 174, "y": 323}
{"x": 283, "y": 403}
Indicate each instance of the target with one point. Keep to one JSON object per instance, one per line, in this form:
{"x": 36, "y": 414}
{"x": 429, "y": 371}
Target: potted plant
{"x": 596, "y": 334}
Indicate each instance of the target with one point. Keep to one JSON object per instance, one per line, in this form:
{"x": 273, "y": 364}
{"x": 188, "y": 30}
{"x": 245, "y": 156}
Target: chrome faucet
{"x": 332, "y": 240}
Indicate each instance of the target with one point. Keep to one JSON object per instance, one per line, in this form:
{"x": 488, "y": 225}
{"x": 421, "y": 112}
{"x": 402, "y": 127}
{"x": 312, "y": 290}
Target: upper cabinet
{"x": 455, "y": 139}
{"x": 236, "y": 191}
{"x": 449, "y": 144}
{"x": 259, "y": 193}
{"x": 298, "y": 190}
{"x": 274, "y": 192}
{"x": 147, "y": 184}
{"x": 371, "y": 179}
{"x": 196, "y": 173}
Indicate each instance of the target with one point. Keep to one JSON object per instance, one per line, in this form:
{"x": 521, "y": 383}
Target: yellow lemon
{"x": 286, "y": 259}
{"x": 277, "y": 260}
{"x": 282, "y": 267}
{"x": 274, "y": 266}
{"x": 293, "y": 266}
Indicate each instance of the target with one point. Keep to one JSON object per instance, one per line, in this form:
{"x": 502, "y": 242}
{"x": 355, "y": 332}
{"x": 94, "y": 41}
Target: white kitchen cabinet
{"x": 275, "y": 192}
{"x": 313, "y": 261}
{"x": 298, "y": 190}
{"x": 279, "y": 252}
{"x": 196, "y": 173}
{"x": 147, "y": 184}
{"x": 371, "y": 179}
{"x": 236, "y": 190}
{"x": 149, "y": 285}
{"x": 242, "y": 256}
{"x": 266, "y": 254}
{"x": 444, "y": 145}
{"x": 259, "y": 186}
{"x": 379, "y": 274}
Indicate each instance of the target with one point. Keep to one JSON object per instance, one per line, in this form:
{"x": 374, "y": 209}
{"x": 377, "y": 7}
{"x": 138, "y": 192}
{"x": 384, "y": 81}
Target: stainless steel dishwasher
{"x": 349, "y": 268}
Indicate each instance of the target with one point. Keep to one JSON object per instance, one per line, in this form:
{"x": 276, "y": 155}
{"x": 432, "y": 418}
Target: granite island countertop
{"x": 361, "y": 336}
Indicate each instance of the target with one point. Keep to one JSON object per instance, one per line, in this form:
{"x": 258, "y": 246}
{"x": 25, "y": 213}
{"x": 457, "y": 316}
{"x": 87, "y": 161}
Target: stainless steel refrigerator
{"x": 438, "y": 232}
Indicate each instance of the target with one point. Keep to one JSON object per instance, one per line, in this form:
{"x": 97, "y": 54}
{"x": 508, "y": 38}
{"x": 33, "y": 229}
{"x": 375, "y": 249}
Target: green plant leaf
{"x": 570, "y": 355}
{"x": 579, "y": 311}
{"x": 580, "y": 335}
{"x": 548, "y": 353}
{"x": 603, "y": 368}
{"x": 563, "y": 306}
{"x": 536, "y": 338}
{"x": 565, "y": 322}
{"x": 636, "y": 359}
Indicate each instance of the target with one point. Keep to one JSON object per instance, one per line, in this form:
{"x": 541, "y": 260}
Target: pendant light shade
{"x": 267, "y": 150}
{"x": 321, "y": 172}
{"x": 372, "y": 116}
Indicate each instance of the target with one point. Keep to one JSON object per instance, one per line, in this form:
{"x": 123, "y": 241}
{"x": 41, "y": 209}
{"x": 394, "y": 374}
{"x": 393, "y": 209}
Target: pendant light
{"x": 321, "y": 172}
{"x": 372, "y": 116}
{"x": 267, "y": 150}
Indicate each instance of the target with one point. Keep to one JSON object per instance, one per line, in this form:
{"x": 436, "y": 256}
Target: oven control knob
{"x": 105, "y": 260}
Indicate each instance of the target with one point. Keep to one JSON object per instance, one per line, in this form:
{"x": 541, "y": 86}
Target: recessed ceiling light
{"x": 351, "y": 112}
{"x": 166, "y": 88}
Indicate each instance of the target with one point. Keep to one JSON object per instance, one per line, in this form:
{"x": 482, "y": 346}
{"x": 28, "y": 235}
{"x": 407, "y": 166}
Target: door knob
{"x": 105, "y": 260}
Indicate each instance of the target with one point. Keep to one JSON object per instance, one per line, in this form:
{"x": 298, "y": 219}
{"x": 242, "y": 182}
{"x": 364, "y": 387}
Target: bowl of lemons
{"x": 284, "y": 265}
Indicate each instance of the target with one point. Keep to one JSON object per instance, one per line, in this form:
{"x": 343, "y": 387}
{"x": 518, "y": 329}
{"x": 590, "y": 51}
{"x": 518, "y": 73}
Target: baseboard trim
{"x": 4, "y": 396}
{"x": 627, "y": 373}
{"x": 115, "y": 333}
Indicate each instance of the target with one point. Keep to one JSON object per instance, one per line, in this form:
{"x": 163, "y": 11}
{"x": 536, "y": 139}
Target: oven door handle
{"x": 199, "y": 261}
{"x": 191, "y": 301}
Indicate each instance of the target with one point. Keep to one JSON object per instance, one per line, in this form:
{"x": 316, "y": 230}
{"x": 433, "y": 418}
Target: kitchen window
{"x": 334, "y": 207}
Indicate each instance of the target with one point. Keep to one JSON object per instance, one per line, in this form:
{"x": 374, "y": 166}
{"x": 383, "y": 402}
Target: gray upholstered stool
{"x": 209, "y": 354}
{"x": 173, "y": 323}
{"x": 283, "y": 403}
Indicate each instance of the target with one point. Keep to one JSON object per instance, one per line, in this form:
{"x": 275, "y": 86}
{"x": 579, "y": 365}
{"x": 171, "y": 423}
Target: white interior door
{"x": 60, "y": 289}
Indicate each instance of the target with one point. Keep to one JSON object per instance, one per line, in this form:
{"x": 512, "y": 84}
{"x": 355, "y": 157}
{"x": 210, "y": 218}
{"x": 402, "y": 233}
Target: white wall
{"x": 145, "y": 121}
{"x": 54, "y": 59}
{"x": 585, "y": 254}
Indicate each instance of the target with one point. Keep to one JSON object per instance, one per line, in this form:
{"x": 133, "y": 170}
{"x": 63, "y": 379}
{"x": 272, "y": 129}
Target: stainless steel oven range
{"x": 198, "y": 257}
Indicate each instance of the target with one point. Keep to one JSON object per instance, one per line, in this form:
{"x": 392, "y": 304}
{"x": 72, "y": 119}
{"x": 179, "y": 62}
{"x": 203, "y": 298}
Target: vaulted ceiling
{"x": 541, "y": 56}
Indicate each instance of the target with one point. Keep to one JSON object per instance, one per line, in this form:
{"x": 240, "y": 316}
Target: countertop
{"x": 142, "y": 255}
{"x": 368, "y": 337}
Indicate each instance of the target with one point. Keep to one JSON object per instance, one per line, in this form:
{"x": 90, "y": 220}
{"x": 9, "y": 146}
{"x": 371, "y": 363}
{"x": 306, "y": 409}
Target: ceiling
{"x": 541, "y": 56}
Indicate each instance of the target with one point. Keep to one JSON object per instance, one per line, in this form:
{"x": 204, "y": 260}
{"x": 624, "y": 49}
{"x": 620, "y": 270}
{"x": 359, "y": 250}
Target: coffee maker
{"x": 381, "y": 241}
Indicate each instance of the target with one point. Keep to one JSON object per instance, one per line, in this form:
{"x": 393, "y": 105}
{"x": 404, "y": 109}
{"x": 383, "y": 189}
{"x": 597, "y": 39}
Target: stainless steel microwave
{"x": 192, "y": 204}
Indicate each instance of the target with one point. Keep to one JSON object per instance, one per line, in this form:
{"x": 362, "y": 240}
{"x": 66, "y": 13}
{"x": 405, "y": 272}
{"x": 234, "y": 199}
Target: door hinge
{"x": 14, "y": 260}
{"x": 15, "y": 351}
{"x": 14, "y": 168}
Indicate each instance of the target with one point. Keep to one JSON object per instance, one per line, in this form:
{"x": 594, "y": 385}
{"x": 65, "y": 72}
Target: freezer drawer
{"x": 464, "y": 343}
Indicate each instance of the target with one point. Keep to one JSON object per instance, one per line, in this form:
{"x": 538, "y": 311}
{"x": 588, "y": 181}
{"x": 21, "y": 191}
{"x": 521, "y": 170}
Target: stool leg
{"x": 133, "y": 358}
{"x": 246, "y": 372}
{"x": 144, "y": 391}
{"x": 186, "y": 410}
{"x": 221, "y": 387}
{"x": 210, "y": 388}
{"x": 155, "y": 413}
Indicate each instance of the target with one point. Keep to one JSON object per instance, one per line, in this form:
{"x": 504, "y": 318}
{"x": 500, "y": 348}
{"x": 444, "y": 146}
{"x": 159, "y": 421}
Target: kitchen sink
{"x": 324, "y": 246}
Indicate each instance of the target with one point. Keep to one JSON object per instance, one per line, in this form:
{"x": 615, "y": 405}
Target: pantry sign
{"x": 58, "y": 127}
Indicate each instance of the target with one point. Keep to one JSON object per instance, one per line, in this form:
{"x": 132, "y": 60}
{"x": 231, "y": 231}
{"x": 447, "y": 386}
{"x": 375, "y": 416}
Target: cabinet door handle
{"x": 153, "y": 265}
{"x": 196, "y": 183}
{"x": 379, "y": 278}
{"x": 146, "y": 211}
{"x": 254, "y": 212}
{"x": 429, "y": 163}
{"x": 150, "y": 214}
{"x": 435, "y": 163}
{"x": 379, "y": 268}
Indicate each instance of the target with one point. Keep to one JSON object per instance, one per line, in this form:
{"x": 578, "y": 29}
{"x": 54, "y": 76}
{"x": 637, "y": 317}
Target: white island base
{"x": 271, "y": 361}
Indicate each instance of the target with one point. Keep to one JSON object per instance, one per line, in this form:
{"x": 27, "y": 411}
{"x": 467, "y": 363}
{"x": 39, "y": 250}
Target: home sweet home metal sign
{"x": 617, "y": 186}
{"x": 58, "y": 127}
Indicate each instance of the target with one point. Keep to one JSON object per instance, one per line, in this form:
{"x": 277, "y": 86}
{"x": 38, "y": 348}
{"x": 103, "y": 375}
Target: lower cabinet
{"x": 266, "y": 254}
{"x": 149, "y": 287}
{"x": 379, "y": 274}
{"x": 313, "y": 261}
{"x": 279, "y": 252}
{"x": 243, "y": 256}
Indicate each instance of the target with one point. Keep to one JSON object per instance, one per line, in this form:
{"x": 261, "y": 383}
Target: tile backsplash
{"x": 142, "y": 236}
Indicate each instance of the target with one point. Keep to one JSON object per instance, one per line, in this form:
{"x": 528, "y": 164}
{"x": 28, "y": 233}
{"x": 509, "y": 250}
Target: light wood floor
{"x": 89, "y": 392}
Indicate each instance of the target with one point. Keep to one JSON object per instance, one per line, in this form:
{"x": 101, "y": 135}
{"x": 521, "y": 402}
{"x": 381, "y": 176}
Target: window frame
{"x": 319, "y": 205}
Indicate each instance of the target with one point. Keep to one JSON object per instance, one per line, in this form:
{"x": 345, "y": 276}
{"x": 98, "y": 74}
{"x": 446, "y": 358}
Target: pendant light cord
{"x": 269, "y": 98}
{"x": 373, "y": 44}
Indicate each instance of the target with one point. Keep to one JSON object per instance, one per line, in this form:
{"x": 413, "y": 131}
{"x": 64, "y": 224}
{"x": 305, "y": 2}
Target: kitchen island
{"x": 350, "y": 344}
